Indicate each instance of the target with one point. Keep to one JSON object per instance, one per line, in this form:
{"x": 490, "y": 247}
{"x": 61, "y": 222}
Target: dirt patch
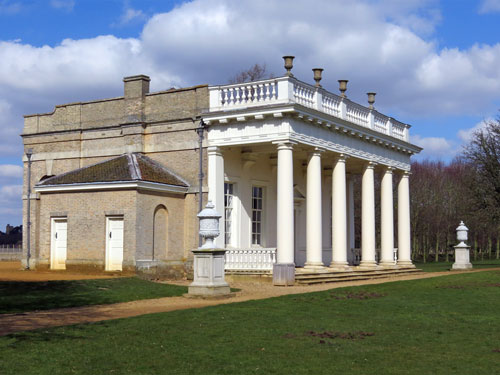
{"x": 13, "y": 271}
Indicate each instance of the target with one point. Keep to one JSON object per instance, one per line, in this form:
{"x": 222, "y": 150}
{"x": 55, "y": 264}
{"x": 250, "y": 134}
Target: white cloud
{"x": 66, "y": 5}
{"x": 131, "y": 15}
{"x": 466, "y": 134}
{"x": 489, "y": 6}
{"x": 9, "y": 192}
{"x": 11, "y": 170}
{"x": 435, "y": 147}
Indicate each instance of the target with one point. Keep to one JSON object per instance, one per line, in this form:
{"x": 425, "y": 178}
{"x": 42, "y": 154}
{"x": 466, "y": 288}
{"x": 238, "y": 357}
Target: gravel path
{"x": 10, "y": 323}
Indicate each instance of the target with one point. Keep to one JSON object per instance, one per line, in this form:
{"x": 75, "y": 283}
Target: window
{"x": 257, "y": 198}
{"x": 228, "y": 211}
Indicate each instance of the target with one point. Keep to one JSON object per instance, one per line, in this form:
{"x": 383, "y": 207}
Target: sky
{"x": 434, "y": 64}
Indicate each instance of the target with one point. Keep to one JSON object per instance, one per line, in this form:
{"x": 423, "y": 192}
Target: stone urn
{"x": 208, "y": 266}
{"x": 462, "y": 255}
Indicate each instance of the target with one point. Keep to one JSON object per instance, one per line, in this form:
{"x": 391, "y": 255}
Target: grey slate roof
{"x": 124, "y": 168}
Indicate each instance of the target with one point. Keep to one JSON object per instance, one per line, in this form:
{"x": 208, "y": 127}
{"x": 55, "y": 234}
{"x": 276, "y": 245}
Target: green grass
{"x": 28, "y": 296}
{"x": 446, "y": 266}
{"x": 444, "y": 325}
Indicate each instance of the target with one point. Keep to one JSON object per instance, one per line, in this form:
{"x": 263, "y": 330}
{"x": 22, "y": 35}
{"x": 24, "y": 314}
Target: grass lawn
{"x": 444, "y": 325}
{"x": 27, "y": 296}
{"x": 446, "y": 266}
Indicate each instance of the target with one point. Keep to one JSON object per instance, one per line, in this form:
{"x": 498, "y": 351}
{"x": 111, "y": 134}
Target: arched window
{"x": 160, "y": 233}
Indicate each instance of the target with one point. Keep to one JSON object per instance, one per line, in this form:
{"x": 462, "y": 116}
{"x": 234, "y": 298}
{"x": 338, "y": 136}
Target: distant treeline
{"x": 466, "y": 189}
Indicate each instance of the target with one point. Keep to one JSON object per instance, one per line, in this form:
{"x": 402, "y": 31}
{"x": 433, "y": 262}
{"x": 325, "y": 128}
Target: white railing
{"x": 248, "y": 93}
{"x": 284, "y": 90}
{"x": 357, "y": 114}
{"x": 380, "y": 123}
{"x": 304, "y": 94}
{"x": 399, "y": 130}
{"x": 250, "y": 259}
{"x": 11, "y": 249}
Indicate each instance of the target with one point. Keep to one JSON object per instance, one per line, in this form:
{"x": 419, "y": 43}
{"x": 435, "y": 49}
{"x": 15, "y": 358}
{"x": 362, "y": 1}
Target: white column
{"x": 404, "y": 244}
{"x": 368, "y": 217}
{"x": 216, "y": 188}
{"x": 387, "y": 219}
{"x": 284, "y": 228}
{"x": 314, "y": 214}
{"x": 350, "y": 217}
{"x": 339, "y": 219}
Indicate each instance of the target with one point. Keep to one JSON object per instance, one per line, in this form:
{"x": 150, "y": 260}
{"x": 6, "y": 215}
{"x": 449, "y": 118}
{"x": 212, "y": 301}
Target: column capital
{"x": 214, "y": 150}
{"x": 404, "y": 173}
{"x": 369, "y": 165}
{"x": 388, "y": 169}
{"x": 340, "y": 158}
{"x": 316, "y": 151}
{"x": 284, "y": 145}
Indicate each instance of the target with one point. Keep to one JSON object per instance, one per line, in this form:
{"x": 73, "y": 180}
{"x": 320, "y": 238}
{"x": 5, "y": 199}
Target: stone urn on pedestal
{"x": 462, "y": 256}
{"x": 209, "y": 278}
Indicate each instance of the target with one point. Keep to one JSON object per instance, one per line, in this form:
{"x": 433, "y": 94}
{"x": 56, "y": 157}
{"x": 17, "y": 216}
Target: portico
{"x": 282, "y": 156}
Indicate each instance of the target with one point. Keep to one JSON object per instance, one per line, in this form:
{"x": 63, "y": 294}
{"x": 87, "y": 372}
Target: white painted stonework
{"x": 300, "y": 145}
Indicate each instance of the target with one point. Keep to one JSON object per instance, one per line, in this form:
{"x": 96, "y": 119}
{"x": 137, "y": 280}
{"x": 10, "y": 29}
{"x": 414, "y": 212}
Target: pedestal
{"x": 208, "y": 271}
{"x": 284, "y": 274}
{"x": 462, "y": 258}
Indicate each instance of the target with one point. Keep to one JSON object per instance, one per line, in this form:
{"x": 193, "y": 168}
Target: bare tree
{"x": 255, "y": 73}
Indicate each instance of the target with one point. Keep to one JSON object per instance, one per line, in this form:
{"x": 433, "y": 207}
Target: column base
{"x": 284, "y": 274}
{"x": 314, "y": 265}
{"x": 405, "y": 264}
{"x": 340, "y": 266}
{"x": 388, "y": 265}
{"x": 368, "y": 264}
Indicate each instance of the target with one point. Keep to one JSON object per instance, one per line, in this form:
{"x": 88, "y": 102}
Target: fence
{"x": 11, "y": 252}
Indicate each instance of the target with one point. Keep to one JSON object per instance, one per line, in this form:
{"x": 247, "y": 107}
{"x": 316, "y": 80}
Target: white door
{"x": 58, "y": 245}
{"x": 114, "y": 244}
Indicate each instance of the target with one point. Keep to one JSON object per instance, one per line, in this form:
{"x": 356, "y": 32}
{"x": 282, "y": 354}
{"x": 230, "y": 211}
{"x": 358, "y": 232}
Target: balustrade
{"x": 250, "y": 259}
{"x": 290, "y": 90}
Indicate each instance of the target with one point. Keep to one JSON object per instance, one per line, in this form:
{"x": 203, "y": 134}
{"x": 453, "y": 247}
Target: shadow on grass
{"x": 18, "y": 297}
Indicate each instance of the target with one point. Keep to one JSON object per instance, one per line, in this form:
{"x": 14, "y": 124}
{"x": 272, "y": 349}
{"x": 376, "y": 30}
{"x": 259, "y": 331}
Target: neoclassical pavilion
{"x": 114, "y": 182}
{"x": 281, "y": 158}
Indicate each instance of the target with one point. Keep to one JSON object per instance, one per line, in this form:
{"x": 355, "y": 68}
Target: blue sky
{"x": 434, "y": 64}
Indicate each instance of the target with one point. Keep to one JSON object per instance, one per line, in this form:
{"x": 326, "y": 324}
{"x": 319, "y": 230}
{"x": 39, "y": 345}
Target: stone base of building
{"x": 283, "y": 274}
{"x": 163, "y": 270}
{"x": 83, "y": 267}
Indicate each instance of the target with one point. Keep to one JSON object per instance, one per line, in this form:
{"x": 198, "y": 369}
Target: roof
{"x": 124, "y": 168}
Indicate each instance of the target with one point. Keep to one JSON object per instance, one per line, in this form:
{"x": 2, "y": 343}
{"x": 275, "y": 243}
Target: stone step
{"x": 356, "y": 272}
{"x": 331, "y": 277}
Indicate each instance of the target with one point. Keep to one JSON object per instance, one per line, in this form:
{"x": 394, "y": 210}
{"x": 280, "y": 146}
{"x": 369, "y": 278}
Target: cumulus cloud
{"x": 11, "y": 170}
{"x": 466, "y": 134}
{"x": 489, "y": 6}
{"x": 380, "y": 46}
{"x": 435, "y": 147}
{"x": 11, "y": 191}
{"x": 130, "y": 15}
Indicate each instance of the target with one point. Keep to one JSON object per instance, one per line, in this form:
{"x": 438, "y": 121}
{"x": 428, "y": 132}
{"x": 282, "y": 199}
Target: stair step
{"x": 332, "y": 277}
